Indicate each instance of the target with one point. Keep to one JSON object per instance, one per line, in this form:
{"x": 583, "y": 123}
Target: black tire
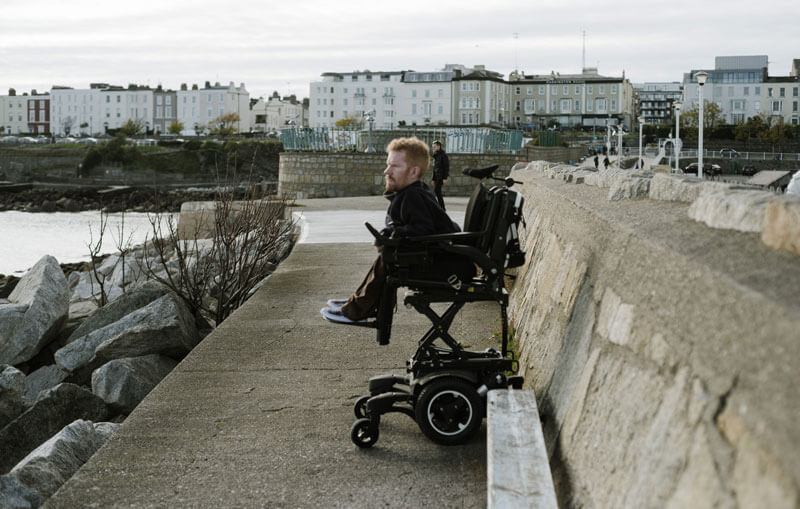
{"x": 362, "y": 433}
{"x": 448, "y": 410}
{"x": 360, "y": 408}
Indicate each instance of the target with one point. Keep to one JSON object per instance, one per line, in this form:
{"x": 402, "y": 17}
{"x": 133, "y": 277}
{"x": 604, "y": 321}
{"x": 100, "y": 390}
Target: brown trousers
{"x": 364, "y": 301}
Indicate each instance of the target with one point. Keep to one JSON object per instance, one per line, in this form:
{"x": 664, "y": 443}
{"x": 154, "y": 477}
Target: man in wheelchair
{"x": 421, "y": 249}
{"x": 413, "y": 211}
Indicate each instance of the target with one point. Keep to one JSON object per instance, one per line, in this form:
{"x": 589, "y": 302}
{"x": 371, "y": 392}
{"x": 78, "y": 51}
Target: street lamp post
{"x": 639, "y": 162}
{"x": 370, "y": 117}
{"x": 619, "y": 146}
{"x": 701, "y": 77}
{"x": 677, "y": 143}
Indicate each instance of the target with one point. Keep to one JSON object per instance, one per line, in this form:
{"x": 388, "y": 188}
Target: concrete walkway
{"x": 259, "y": 414}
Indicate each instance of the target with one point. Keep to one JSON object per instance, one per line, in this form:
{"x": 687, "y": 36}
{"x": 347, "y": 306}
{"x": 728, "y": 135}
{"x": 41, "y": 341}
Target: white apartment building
{"x": 425, "y": 98}
{"x": 99, "y": 108}
{"x": 198, "y": 108}
{"x": 352, "y": 95}
{"x": 781, "y": 99}
{"x": 14, "y": 113}
{"x": 405, "y": 98}
{"x": 480, "y": 97}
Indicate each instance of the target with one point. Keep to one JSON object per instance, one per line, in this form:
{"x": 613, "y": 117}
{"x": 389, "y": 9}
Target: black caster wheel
{"x": 360, "y": 408}
{"x": 363, "y": 434}
{"x": 448, "y": 411}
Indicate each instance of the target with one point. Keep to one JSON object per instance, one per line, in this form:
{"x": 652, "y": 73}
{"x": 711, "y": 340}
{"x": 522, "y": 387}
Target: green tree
{"x": 712, "y": 116}
{"x": 225, "y": 125}
{"x": 175, "y": 128}
{"x": 132, "y": 127}
{"x": 350, "y": 122}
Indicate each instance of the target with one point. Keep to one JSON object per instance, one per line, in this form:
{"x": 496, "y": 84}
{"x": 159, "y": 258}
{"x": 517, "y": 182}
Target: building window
{"x": 783, "y": 92}
{"x": 530, "y": 90}
{"x": 530, "y": 106}
{"x": 413, "y": 109}
{"x": 746, "y": 90}
{"x": 589, "y": 106}
{"x": 566, "y": 89}
{"x": 613, "y": 89}
{"x": 541, "y": 89}
{"x": 601, "y": 89}
{"x": 577, "y": 106}
{"x": 589, "y": 89}
{"x": 769, "y": 92}
{"x": 413, "y": 93}
{"x": 553, "y": 105}
{"x": 758, "y": 90}
{"x": 565, "y": 105}
{"x": 441, "y": 109}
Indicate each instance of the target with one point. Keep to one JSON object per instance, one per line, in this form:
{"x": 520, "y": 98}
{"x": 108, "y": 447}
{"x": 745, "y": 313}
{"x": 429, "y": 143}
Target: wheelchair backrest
{"x": 496, "y": 212}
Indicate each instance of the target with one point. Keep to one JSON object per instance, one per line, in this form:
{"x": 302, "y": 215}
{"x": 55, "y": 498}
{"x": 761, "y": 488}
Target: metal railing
{"x": 456, "y": 140}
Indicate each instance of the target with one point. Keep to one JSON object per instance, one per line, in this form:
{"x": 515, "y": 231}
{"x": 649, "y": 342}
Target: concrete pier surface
{"x": 259, "y": 414}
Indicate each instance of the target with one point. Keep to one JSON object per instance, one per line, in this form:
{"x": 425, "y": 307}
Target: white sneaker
{"x": 335, "y": 315}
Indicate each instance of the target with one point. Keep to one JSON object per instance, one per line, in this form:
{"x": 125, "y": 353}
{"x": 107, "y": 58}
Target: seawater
{"x": 26, "y": 237}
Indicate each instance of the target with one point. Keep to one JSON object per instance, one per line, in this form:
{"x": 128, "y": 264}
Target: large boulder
{"x": 42, "y": 379}
{"x": 51, "y": 464}
{"x": 52, "y": 410}
{"x": 12, "y": 387}
{"x": 164, "y": 326}
{"x": 123, "y": 383}
{"x": 37, "y": 308}
{"x": 134, "y": 299}
{"x": 15, "y": 495}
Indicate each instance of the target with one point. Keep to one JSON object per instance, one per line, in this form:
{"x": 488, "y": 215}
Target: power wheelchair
{"x": 446, "y": 386}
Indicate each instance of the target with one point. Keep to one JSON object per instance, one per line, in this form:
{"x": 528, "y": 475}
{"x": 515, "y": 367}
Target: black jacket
{"x": 441, "y": 165}
{"x": 414, "y": 211}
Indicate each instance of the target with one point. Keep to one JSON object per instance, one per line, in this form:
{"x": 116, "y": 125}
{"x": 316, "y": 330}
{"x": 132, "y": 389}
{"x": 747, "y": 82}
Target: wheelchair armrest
{"x": 381, "y": 239}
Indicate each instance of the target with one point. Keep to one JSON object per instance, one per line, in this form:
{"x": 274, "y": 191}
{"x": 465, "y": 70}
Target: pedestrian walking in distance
{"x": 441, "y": 170}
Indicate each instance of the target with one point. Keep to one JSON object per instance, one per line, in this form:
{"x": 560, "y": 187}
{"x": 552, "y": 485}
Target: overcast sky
{"x": 283, "y": 46}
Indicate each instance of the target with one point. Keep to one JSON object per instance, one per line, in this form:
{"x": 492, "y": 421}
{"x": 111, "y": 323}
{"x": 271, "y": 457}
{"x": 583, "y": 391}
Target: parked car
{"x": 709, "y": 169}
{"x": 728, "y": 152}
{"x": 749, "y": 170}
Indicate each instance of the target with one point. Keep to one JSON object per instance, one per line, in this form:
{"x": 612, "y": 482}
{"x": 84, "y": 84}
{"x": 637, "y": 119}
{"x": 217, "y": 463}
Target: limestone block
{"x": 731, "y": 208}
{"x": 675, "y": 188}
{"x": 699, "y": 484}
{"x": 627, "y": 188}
{"x": 42, "y": 379}
{"x": 51, "y": 464}
{"x": 12, "y": 387}
{"x": 164, "y": 326}
{"x": 44, "y": 295}
{"x": 123, "y": 383}
{"x": 53, "y": 409}
{"x": 616, "y": 318}
{"x": 782, "y": 224}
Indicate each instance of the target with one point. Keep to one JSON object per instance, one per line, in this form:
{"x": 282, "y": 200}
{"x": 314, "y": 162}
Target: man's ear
{"x": 416, "y": 172}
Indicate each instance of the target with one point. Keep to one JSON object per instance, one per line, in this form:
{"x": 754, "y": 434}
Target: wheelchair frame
{"x": 446, "y": 386}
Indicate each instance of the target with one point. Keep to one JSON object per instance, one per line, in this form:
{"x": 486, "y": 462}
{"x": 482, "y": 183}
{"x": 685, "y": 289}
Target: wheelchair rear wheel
{"x": 448, "y": 410}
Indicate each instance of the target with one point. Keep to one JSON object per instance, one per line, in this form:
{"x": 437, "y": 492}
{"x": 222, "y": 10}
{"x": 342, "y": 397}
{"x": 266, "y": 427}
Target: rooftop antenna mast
{"x": 583, "y": 57}
{"x": 516, "y": 37}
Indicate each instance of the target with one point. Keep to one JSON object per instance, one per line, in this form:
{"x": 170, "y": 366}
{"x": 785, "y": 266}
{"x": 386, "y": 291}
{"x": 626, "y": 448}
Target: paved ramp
{"x": 259, "y": 414}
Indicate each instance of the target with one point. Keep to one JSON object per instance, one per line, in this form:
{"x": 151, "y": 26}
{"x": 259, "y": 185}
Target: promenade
{"x": 259, "y": 414}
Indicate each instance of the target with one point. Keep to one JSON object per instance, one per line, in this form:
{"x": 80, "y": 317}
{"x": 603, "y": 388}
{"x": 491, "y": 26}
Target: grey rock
{"x": 123, "y": 383}
{"x": 15, "y": 495}
{"x": 42, "y": 379}
{"x": 38, "y": 307}
{"x": 12, "y": 385}
{"x": 126, "y": 304}
{"x": 675, "y": 188}
{"x": 51, "y": 464}
{"x": 52, "y": 410}
{"x": 164, "y": 326}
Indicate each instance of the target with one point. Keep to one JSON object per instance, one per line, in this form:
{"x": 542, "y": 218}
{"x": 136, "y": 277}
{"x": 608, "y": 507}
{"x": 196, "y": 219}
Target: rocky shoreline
{"x": 118, "y": 199}
{"x": 71, "y": 372}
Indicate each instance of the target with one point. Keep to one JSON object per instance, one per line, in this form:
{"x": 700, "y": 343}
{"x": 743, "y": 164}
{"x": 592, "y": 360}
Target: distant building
{"x": 38, "y": 113}
{"x": 570, "y": 100}
{"x": 14, "y": 111}
{"x": 276, "y": 112}
{"x": 408, "y": 98}
{"x": 734, "y": 84}
{"x": 199, "y": 108}
{"x": 165, "y": 109}
{"x": 99, "y": 108}
{"x": 654, "y": 101}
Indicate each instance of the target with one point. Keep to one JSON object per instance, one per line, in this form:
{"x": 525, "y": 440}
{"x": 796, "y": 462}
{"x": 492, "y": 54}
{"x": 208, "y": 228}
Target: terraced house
{"x": 570, "y": 100}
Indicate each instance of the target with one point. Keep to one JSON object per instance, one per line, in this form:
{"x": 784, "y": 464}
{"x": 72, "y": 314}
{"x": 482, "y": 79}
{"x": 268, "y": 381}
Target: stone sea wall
{"x": 334, "y": 175}
{"x": 658, "y": 321}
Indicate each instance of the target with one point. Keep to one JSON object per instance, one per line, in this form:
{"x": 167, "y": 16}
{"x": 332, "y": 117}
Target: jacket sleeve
{"x": 415, "y": 218}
